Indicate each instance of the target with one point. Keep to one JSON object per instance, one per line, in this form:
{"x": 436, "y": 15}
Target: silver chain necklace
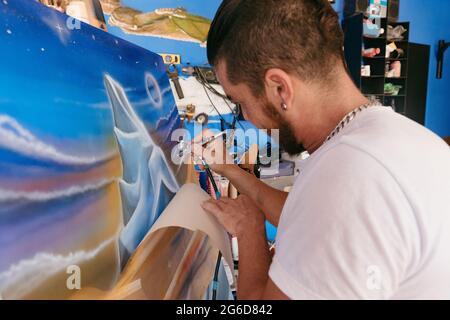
{"x": 347, "y": 119}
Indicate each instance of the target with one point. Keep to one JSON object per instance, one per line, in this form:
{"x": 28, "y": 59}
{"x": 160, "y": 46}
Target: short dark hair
{"x": 302, "y": 37}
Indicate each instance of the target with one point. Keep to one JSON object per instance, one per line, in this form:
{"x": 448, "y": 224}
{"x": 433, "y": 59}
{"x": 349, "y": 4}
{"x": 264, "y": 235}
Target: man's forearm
{"x": 269, "y": 200}
{"x": 254, "y": 263}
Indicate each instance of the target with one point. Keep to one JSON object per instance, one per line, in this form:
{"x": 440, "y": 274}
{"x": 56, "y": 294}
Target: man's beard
{"x": 288, "y": 142}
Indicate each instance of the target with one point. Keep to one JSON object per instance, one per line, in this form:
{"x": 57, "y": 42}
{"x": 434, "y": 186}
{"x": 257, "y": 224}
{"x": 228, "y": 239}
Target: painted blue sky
{"x": 51, "y": 78}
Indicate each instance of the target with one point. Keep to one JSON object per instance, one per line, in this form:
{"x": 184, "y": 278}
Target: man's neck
{"x": 329, "y": 112}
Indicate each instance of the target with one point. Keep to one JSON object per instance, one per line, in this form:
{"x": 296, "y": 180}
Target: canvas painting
{"x": 85, "y": 138}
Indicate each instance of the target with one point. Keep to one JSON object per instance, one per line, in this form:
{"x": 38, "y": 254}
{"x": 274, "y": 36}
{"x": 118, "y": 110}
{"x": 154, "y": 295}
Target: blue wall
{"x": 430, "y": 22}
{"x": 339, "y": 7}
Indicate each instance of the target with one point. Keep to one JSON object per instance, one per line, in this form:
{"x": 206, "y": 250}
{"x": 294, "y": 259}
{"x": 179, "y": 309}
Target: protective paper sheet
{"x": 177, "y": 258}
{"x": 185, "y": 211}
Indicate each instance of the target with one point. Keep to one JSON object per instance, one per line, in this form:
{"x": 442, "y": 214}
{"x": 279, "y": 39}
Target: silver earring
{"x": 284, "y": 106}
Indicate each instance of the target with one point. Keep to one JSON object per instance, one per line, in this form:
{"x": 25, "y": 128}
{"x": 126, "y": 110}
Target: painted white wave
{"x": 146, "y": 171}
{"x": 41, "y": 196}
{"x": 13, "y": 136}
{"x": 27, "y": 275}
{"x": 167, "y": 117}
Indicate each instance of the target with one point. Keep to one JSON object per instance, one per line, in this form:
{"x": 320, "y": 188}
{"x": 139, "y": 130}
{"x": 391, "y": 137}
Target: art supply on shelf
{"x": 372, "y": 30}
{"x": 365, "y": 71}
{"x": 397, "y": 33}
{"x": 371, "y": 52}
{"x": 392, "y": 89}
{"x": 393, "y": 69}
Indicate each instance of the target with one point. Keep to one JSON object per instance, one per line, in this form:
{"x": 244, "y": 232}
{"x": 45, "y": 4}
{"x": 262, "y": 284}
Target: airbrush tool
{"x": 207, "y": 141}
{"x": 229, "y": 139}
{"x": 211, "y": 177}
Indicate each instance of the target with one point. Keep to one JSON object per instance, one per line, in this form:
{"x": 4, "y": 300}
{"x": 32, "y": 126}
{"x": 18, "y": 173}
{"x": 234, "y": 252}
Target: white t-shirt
{"x": 369, "y": 215}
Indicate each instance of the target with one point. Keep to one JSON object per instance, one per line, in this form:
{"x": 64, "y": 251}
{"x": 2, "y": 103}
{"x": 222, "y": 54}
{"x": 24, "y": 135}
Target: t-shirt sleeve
{"x": 346, "y": 232}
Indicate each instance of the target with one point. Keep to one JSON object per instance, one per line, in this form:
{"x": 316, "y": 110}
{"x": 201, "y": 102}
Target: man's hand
{"x": 236, "y": 216}
{"x": 215, "y": 153}
{"x": 269, "y": 200}
{"x": 242, "y": 219}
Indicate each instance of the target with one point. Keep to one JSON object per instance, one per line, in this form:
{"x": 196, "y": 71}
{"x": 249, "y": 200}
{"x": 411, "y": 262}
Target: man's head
{"x": 274, "y": 57}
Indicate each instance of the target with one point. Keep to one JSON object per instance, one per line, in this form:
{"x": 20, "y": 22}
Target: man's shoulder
{"x": 342, "y": 160}
{"x": 380, "y": 151}
{"x": 387, "y": 139}
{"x": 385, "y": 133}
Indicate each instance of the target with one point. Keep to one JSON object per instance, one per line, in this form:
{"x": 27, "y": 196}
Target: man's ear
{"x": 279, "y": 88}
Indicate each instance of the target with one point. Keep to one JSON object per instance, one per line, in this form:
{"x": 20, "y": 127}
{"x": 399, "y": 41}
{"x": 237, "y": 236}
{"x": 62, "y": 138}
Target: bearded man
{"x": 369, "y": 214}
